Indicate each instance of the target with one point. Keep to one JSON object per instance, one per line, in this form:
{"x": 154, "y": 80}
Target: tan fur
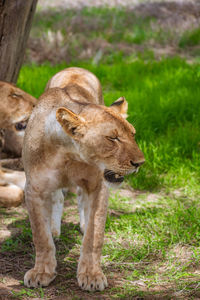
{"x": 11, "y": 187}
{"x": 70, "y": 140}
{"x": 15, "y": 105}
{"x": 15, "y": 109}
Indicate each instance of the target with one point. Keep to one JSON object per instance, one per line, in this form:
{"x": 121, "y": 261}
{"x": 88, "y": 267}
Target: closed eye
{"x": 14, "y": 95}
{"x": 116, "y": 138}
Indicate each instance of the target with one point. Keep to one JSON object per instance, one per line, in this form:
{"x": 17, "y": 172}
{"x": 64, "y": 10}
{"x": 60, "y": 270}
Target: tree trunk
{"x": 15, "y": 23}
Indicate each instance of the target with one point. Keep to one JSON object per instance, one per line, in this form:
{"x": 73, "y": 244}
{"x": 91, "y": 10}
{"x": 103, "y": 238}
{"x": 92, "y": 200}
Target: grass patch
{"x": 152, "y": 250}
{"x": 190, "y": 38}
{"x": 155, "y": 245}
{"x": 148, "y": 232}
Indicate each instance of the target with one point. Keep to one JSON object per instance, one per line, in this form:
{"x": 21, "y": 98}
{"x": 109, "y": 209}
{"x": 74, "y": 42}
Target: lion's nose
{"x": 137, "y": 164}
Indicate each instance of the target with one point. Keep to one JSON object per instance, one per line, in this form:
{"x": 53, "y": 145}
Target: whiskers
{"x": 109, "y": 172}
{"x": 135, "y": 120}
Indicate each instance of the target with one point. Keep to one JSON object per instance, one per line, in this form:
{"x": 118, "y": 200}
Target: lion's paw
{"x": 36, "y": 279}
{"x": 92, "y": 282}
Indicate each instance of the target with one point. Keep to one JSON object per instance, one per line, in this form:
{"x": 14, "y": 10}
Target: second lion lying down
{"x": 72, "y": 139}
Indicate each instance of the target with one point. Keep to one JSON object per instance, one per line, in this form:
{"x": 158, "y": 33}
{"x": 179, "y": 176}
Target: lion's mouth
{"x": 113, "y": 177}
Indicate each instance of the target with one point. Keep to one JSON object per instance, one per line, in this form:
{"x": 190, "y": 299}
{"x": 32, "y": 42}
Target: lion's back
{"x": 81, "y": 77}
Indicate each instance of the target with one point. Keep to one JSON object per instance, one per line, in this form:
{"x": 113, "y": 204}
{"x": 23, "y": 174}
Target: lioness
{"x": 73, "y": 139}
{"x": 15, "y": 109}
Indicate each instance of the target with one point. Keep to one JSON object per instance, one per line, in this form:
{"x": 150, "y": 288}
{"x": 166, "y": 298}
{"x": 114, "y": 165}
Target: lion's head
{"x": 15, "y": 105}
{"x": 15, "y": 109}
{"x": 104, "y": 137}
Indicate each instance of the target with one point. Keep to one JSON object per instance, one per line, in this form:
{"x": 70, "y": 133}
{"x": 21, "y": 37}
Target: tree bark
{"x": 15, "y": 22}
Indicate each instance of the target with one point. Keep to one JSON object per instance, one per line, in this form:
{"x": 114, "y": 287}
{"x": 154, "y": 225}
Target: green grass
{"x": 155, "y": 243}
{"x": 153, "y": 229}
{"x": 190, "y": 38}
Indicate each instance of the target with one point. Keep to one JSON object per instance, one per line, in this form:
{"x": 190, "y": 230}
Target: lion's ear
{"x": 120, "y": 106}
{"x": 72, "y": 123}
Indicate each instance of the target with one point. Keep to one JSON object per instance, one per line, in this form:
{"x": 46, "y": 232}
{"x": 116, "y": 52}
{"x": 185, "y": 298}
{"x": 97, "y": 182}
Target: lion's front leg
{"x": 83, "y": 207}
{"x": 39, "y": 209}
{"x": 89, "y": 274}
{"x": 56, "y": 215}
